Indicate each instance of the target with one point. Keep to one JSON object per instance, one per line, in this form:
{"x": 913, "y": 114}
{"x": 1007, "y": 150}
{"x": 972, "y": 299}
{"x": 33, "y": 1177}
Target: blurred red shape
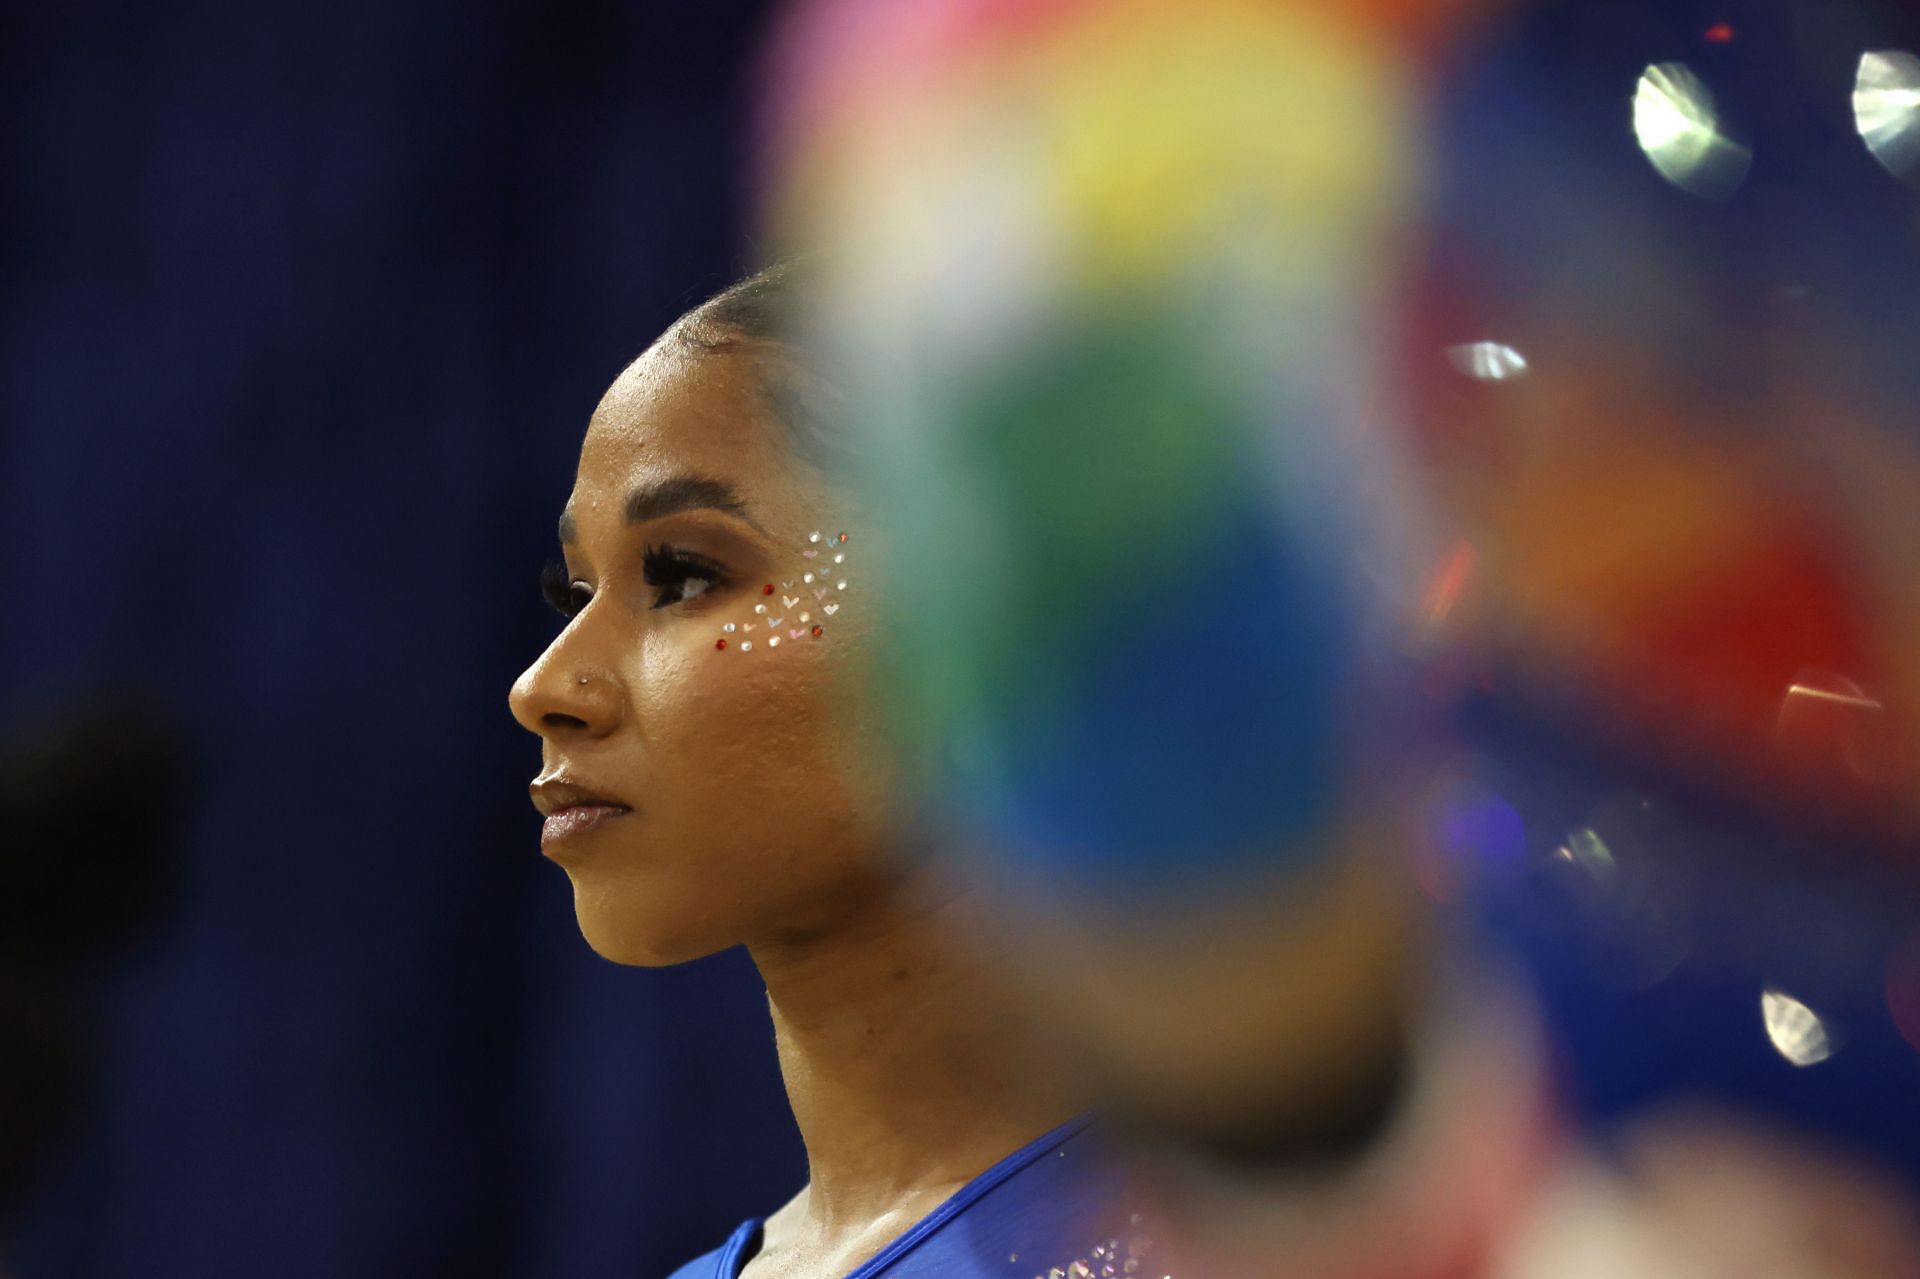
{"x": 1903, "y": 989}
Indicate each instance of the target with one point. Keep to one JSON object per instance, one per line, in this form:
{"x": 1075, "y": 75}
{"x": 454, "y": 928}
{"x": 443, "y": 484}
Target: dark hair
{"x": 760, "y": 316}
{"x": 759, "y": 308}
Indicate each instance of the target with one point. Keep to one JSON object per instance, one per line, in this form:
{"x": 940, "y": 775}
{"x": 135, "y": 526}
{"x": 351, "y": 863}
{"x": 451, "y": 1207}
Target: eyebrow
{"x": 671, "y": 497}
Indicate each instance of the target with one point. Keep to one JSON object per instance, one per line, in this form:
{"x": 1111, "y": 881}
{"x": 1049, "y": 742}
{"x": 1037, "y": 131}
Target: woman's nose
{"x": 557, "y": 697}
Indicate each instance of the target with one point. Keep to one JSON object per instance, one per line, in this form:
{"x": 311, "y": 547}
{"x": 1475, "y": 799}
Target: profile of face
{"x": 706, "y": 770}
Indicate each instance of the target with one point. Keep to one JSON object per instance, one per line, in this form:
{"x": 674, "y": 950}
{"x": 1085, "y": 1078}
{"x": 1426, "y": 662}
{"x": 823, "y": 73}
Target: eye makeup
{"x": 679, "y": 576}
{"x": 566, "y": 596}
{"x": 797, "y": 607}
{"x": 673, "y": 574}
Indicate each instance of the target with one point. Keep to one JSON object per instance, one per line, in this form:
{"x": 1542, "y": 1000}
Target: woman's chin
{"x": 621, "y": 938}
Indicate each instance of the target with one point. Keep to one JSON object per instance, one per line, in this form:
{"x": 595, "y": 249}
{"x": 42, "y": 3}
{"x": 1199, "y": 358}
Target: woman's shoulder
{"x": 1045, "y": 1206}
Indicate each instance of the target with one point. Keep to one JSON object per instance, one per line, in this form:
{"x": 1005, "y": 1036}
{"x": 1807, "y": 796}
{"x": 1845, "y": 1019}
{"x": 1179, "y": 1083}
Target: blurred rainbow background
{"x": 1285, "y": 413}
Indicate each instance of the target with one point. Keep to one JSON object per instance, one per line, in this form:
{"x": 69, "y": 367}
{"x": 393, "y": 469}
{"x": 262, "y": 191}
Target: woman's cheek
{"x": 744, "y": 727}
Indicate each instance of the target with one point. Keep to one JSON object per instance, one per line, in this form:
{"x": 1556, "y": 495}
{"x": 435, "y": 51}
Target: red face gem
{"x": 843, "y": 537}
{"x": 818, "y": 632}
{"x": 720, "y": 644}
{"x": 767, "y": 589}
{"x": 1720, "y": 33}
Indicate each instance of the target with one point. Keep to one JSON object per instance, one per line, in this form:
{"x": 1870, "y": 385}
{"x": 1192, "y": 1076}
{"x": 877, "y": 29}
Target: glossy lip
{"x": 571, "y": 809}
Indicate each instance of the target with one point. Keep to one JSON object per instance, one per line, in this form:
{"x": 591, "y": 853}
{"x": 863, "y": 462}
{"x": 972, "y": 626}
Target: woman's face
{"x": 703, "y": 770}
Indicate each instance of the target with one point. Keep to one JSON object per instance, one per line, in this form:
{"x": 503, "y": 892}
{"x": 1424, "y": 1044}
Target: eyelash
{"x": 665, "y": 567}
{"x": 671, "y": 569}
{"x": 565, "y": 596}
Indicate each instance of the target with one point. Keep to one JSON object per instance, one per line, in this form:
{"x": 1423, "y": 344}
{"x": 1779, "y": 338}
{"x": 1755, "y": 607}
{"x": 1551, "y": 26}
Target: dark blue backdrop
{"x": 305, "y": 312}
{"x": 306, "y": 308}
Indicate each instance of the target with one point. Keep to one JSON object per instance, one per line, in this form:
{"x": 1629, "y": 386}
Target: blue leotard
{"x": 1047, "y": 1205}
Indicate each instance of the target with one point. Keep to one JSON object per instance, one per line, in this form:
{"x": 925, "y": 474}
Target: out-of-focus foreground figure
{"x": 1373, "y": 487}
{"x": 91, "y": 793}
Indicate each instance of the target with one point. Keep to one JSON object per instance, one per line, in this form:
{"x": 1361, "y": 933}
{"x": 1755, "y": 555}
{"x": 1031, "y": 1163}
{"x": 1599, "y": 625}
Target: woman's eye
{"x": 566, "y": 595}
{"x": 680, "y": 576}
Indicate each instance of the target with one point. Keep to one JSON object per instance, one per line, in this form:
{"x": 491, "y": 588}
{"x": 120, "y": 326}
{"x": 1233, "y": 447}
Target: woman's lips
{"x": 576, "y": 821}
{"x": 572, "y": 809}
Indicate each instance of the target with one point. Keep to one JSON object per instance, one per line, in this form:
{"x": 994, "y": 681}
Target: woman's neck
{"x": 901, "y": 1058}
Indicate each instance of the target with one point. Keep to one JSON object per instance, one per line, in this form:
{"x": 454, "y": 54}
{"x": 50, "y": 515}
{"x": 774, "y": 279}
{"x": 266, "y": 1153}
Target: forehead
{"x": 675, "y": 413}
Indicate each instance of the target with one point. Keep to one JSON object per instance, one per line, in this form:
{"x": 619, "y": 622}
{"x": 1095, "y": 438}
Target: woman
{"x": 706, "y": 782}
{"x": 709, "y": 780}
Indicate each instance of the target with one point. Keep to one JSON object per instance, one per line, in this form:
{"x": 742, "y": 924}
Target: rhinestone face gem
{"x": 820, "y": 594}
{"x": 840, "y": 559}
{"x": 831, "y": 609}
{"x": 720, "y": 644}
{"x": 810, "y": 553}
{"x": 797, "y": 632}
{"x": 841, "y": 585}
{"x": 806, "y": 617}
{"x": 746, "y": 626}
{"x": 814, "y": 536}
{"x": 807, "y": 578}
{"x": 728, "y": 628}
{"x": 775, "y": 621}
{"x": 759, "y": 608}
{"x": 789, "y": 600}
{"x": 773, "y": 641}
{"x": 746, "y": 646}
